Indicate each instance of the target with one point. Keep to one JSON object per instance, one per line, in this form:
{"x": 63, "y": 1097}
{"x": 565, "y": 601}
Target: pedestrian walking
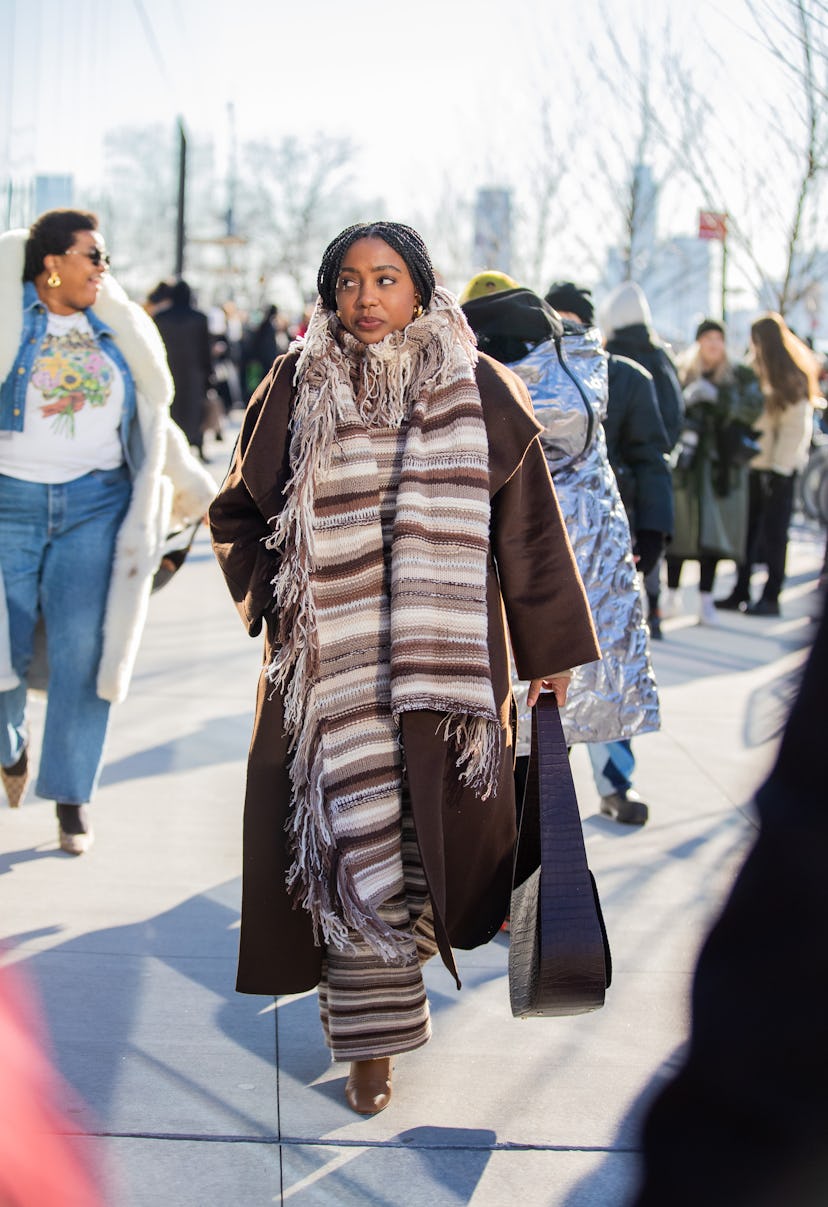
{"x": 787, "y": 372}
{"x": 93, "y": 475}
{"x": 626, "y": 321}
{"x": 710, "y": 479}
{"x": 564, "y": 368}
{"x": 387, "y": 500}
{"x": 186, "y": 335}
{"x": 637, "y": 447}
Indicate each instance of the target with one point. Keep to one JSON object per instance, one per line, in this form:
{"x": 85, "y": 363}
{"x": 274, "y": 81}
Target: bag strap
{"x": 573, "y": 935}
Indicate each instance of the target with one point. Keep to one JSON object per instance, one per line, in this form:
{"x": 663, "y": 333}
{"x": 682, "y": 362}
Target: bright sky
{"x": 441, "y": 96}
{"x": 426, "y": 87}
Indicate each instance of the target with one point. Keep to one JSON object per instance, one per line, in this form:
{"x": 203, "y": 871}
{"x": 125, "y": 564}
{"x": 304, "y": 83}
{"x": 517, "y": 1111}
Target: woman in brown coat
{"x": 387, "y": 501}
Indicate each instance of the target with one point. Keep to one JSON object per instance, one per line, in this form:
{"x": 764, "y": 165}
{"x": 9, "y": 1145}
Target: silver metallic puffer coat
{"x": 616, "y": 697}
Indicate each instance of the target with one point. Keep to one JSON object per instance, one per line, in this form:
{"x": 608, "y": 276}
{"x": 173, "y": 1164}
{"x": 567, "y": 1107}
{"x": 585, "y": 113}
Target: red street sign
{"x": 712, "y": 225}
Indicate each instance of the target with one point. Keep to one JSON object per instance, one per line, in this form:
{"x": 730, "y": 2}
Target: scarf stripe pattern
{"x": 372, "y": 628}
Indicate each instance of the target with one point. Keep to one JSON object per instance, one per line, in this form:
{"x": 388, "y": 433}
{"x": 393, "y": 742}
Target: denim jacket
{"x": 13, "y": 389}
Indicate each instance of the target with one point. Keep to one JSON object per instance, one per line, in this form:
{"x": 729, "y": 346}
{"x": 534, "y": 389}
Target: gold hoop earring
{"x": 418, "y": 311}
{"x": 54, "y": 280}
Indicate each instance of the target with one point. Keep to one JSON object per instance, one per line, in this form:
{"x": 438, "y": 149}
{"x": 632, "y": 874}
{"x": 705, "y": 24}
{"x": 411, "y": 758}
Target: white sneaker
{"x": 670, "y": 604}
{"x": 707, "y": 610}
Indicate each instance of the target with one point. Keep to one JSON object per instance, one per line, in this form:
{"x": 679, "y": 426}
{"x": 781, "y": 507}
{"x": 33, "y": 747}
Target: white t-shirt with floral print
{"x": 73, "y": 408}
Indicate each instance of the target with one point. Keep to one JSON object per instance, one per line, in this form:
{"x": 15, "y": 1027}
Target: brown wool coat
{"x": 466, "y": 844}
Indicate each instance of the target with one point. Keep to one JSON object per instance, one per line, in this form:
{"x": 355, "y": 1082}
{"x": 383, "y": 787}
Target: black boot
{"x": 654, "y": 617}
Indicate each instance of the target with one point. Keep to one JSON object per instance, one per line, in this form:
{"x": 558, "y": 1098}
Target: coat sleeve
{"x": 238, "y": 526}
{"x": 550, "y": 624}
{"x": 637, "y": 443}
{"x": 669, "y": 395}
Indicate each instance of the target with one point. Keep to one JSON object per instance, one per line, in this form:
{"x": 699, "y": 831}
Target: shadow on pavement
{"x": 217, "y": 741}
{"x": 600, "y": 1186}
{"x": 441, "y": 1165}
{"x": 146, "y": 1025}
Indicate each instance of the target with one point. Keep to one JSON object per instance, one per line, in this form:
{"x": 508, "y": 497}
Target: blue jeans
{"x": 612, "y": 766}
{"x": 57, "y": 545}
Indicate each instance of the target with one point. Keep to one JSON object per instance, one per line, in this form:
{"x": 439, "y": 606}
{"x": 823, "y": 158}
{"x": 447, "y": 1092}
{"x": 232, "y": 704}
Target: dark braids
{"x": 403, "y": 239}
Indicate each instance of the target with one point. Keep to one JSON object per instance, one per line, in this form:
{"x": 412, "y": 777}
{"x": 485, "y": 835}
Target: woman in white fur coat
{"x": 93, "y": 475}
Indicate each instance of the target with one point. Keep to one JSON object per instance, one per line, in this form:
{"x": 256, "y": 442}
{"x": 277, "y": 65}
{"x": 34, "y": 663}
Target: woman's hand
{"x": 559, "y": 684}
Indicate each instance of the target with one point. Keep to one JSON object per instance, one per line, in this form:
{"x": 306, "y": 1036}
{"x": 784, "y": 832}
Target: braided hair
{"x": 403, "y": 239}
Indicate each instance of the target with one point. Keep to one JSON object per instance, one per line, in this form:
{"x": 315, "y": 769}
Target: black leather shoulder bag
{"x": 559, "y": 956}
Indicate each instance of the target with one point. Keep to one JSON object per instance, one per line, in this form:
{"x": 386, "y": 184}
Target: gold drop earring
{"x": 54, "y": 280}
{"x": 418, "y": 310}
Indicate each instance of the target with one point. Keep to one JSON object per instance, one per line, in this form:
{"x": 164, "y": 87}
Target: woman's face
{"x": 80, "y": 277}
{"x": 712, "y": 349}
{"x": 375, "y": 294}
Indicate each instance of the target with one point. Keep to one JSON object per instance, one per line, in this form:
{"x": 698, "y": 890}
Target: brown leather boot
{"x": 368, "y": 1088}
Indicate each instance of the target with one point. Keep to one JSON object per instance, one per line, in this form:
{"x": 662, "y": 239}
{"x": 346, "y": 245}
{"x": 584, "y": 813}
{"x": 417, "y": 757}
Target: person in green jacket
{"x": 710, "y": 478}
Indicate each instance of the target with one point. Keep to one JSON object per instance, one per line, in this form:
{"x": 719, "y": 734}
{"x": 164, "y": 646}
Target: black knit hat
{"x": 709, "y": 325}
{"x": 403, "y": 239}
{"x": 564, "y": 295}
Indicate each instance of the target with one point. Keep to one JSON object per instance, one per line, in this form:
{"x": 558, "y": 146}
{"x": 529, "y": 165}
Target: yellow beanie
{"x": 485, "y": 283}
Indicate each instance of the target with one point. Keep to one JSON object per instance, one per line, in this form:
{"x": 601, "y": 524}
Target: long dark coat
{"x": 186, "y": 337}
{"x": 637, "y": 446}
{"x": 466, "y": 844}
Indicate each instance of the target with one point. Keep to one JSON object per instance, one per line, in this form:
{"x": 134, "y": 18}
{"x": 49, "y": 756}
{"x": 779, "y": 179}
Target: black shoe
{"x": 655, "y": 627}
{"x": 626, "y": 807}
{"x": 764, "y": 607}
{"x": 733, "y": 603}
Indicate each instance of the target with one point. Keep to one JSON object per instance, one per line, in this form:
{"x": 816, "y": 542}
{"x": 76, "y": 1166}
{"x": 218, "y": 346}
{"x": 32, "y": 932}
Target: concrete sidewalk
{"x": 194, "y": 1096}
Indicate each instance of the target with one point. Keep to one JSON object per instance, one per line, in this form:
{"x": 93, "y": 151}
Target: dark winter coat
{"x": 637, "y": 343}
{"x": 187, "y": 339}
{"x": 466, "y": 844}
{"x": 637, "y": 447}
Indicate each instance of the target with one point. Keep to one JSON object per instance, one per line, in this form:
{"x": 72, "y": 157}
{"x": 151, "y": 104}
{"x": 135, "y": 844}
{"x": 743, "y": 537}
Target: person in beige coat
{"x": 787, "y": 374}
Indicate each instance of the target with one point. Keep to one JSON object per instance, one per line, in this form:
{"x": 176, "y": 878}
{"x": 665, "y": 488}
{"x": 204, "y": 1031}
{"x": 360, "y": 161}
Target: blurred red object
{"x": 39, "y": 1165}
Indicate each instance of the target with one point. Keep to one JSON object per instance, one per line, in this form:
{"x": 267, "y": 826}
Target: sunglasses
{"x": 95, "y": 255}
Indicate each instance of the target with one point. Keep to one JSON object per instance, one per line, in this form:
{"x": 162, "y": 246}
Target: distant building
{"x": 679, "y": 285}
{"x": 53, "y": 193}
{"x": 493, "y": 230}
{"x": 678, "y": 275}
{"x": 678, "y": 279}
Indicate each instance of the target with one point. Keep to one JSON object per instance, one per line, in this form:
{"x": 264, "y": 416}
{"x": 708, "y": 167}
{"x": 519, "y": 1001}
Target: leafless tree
{"x": 292, "y": 196}
{"x": 137, "y": 200}
{"x": 652, "y": 124}
{"x": 542, "y": 211}
{"x": 800, "y": 45}
{"x": 779, "y": 185}
{"x": 447, "y": 231}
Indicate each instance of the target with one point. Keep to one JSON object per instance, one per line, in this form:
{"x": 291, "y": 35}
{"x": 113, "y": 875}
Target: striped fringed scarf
{"x": 350, "y": 659}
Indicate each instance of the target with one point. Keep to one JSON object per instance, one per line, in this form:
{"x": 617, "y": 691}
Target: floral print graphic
{"x": 70, "y": 372}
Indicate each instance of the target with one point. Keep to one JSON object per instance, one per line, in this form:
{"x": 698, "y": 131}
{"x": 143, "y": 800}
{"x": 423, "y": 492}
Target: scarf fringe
{"x": 478, "y": 740}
